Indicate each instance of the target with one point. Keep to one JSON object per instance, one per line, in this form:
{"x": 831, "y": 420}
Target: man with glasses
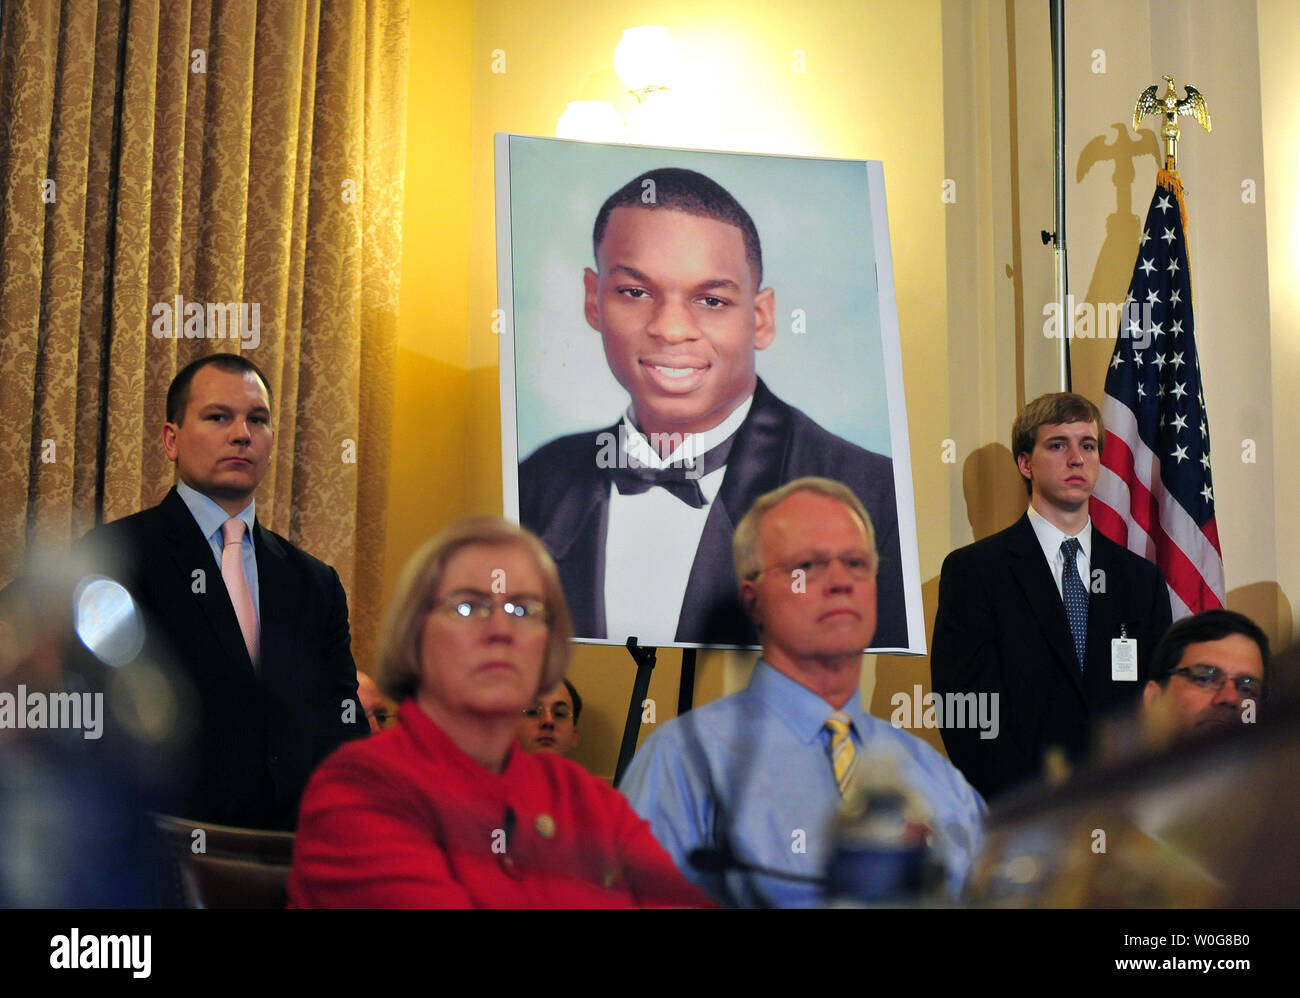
{"x": 1208, "y": 673}
{"x": 743, "y": 792}
{"x": 551, "y": 723}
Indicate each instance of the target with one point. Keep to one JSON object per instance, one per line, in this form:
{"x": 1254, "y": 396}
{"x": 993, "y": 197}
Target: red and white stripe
{"x": 1132, "y": 507}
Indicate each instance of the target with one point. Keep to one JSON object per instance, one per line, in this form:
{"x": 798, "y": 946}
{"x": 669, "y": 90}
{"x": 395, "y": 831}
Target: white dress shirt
{"x": 1050, "y": 537}
{"x": 651, "y": 541}
{"x": 211, "y": 518}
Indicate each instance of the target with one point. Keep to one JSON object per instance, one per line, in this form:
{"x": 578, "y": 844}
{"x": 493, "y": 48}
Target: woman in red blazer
{"x": 444, "y": 809}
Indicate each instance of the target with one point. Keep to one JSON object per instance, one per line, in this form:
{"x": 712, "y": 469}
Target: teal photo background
{"x": 814, "y": 221}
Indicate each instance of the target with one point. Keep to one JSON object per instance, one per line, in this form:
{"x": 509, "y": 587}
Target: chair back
{"x": 218, "y": 866}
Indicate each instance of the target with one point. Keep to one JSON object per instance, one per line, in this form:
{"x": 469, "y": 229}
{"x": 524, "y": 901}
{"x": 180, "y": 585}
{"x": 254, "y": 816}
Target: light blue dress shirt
{"x": 210, "y": 518}
{"x": 750, "y": 774}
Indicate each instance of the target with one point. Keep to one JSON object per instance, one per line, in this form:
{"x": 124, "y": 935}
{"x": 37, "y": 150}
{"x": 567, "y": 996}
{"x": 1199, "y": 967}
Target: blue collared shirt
{"x": 750, "y": 775}
{"x": 210, "y": 517}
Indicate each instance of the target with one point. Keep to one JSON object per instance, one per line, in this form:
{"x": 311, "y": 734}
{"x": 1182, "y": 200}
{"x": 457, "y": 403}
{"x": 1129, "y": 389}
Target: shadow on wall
{"x": 1114, "y": 266}
{"x": 1267, "y": 605}
{"x": 1113, "y": 269}
{"x": 995, "y": 499}
{"x": 994, "y": 490}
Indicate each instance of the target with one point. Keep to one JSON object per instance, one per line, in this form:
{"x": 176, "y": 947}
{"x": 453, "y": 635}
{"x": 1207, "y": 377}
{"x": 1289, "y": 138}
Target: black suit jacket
{"x": 564, "y": 499}
{"x": 1001, "y": 628}
{"x": 258, "y": 734}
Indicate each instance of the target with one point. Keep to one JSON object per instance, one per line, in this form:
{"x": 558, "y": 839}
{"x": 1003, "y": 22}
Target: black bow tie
{"x": 634, "y": 481}
{"x": 681, "y": 481}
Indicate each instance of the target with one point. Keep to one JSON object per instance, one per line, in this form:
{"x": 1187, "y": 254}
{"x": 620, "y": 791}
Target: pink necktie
{"x": 232, "y": 571}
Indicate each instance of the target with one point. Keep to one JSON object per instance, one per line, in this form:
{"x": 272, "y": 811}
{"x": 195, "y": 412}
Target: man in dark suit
{"x": 1030, "y": 616}
{"x": 639, "y": 516}
{"x": 258, "y": 627}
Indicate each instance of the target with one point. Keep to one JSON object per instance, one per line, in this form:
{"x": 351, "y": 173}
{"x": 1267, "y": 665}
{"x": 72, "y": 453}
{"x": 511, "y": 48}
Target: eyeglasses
{"x": 560, "y": 712}
{"x": 858, "y": 564}
{"x": 1211, "y": 677}
{"x": 525, "y": 609}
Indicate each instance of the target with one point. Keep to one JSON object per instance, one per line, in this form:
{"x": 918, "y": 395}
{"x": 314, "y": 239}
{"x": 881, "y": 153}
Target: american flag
{"x": 1155, "y": 495}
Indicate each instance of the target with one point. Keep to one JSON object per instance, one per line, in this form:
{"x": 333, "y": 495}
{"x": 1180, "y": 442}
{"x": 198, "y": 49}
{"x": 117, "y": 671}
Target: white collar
{"x": 1050, "y": 536}
{"x": 693, "y": 445}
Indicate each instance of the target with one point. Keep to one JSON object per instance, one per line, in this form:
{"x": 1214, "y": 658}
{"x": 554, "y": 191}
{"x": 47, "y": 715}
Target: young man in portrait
{"x": 639, "y": 515}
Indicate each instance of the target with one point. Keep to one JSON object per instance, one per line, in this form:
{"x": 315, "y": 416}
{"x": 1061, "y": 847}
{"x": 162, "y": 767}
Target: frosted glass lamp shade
{"x": 646, "y": 58}
{"x": 591, "y": 121}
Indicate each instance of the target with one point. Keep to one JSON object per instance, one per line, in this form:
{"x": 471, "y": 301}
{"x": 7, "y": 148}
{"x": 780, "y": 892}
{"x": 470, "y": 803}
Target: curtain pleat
{"x": 30, "y": 36}
{"x": 386, "y": 71}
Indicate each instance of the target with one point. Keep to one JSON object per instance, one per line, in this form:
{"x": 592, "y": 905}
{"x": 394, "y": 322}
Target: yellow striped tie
{"x": 843, "y": 755}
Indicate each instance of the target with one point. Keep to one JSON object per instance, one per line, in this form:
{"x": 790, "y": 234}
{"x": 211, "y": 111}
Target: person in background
{"x": 1207, "y": 673}
{"x": 255, "y": 625}
{"x": 373, "y": 703}
{"x": 1049, "y": 618}
{"x": 550, "y": 723}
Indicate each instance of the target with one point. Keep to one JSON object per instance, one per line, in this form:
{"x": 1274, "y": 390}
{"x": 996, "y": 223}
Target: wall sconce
{"x": 591, "y": 121}
{"x": 646, "y": 61}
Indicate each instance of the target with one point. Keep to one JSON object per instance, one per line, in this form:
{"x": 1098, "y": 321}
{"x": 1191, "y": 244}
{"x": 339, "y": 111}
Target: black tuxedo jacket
{"x": 564, "y": 499}
{"x": 257, "y": 734}
{"x": 1001, "y": 628}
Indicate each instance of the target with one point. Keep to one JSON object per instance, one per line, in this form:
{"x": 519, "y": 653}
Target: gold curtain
{"x": 240, "y": 151}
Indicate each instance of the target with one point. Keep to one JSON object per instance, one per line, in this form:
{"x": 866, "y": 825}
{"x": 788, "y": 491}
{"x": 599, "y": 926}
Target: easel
{"x": 645, "y": 662}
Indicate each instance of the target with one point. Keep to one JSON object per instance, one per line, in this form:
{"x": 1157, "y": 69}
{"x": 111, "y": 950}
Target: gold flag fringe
{"x": 1170, "y": 180}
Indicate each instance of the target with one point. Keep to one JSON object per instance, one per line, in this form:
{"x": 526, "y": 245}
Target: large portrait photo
{"x": 680, "y": 333}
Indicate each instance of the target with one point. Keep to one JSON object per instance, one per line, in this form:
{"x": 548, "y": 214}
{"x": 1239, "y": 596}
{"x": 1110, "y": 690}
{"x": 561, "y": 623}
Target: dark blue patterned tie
{"x": 1076, "y": 597}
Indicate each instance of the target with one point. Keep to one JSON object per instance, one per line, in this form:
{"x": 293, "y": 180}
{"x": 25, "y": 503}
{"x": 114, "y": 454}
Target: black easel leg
{"x": 645, "y": 663}
{"x": 686, "y": 687}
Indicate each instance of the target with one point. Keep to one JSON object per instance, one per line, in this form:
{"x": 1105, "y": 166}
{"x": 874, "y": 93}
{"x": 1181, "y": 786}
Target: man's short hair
{"x": 1208, "y": 625}
{"x": 1055, "y": 407}
{"x": 178, "y": 394}
{"x": 577, "y": 700}
{"x": 400, "y": 669}
{"x": 744, "y": 544}
{"x": 686, "y": 191}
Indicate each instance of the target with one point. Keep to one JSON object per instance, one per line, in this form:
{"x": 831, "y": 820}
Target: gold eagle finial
{"x": 1170, "y": 106}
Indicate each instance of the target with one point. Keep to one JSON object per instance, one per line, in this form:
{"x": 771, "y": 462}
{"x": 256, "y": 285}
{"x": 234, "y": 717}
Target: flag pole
{"x": 1058, "y": 134}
